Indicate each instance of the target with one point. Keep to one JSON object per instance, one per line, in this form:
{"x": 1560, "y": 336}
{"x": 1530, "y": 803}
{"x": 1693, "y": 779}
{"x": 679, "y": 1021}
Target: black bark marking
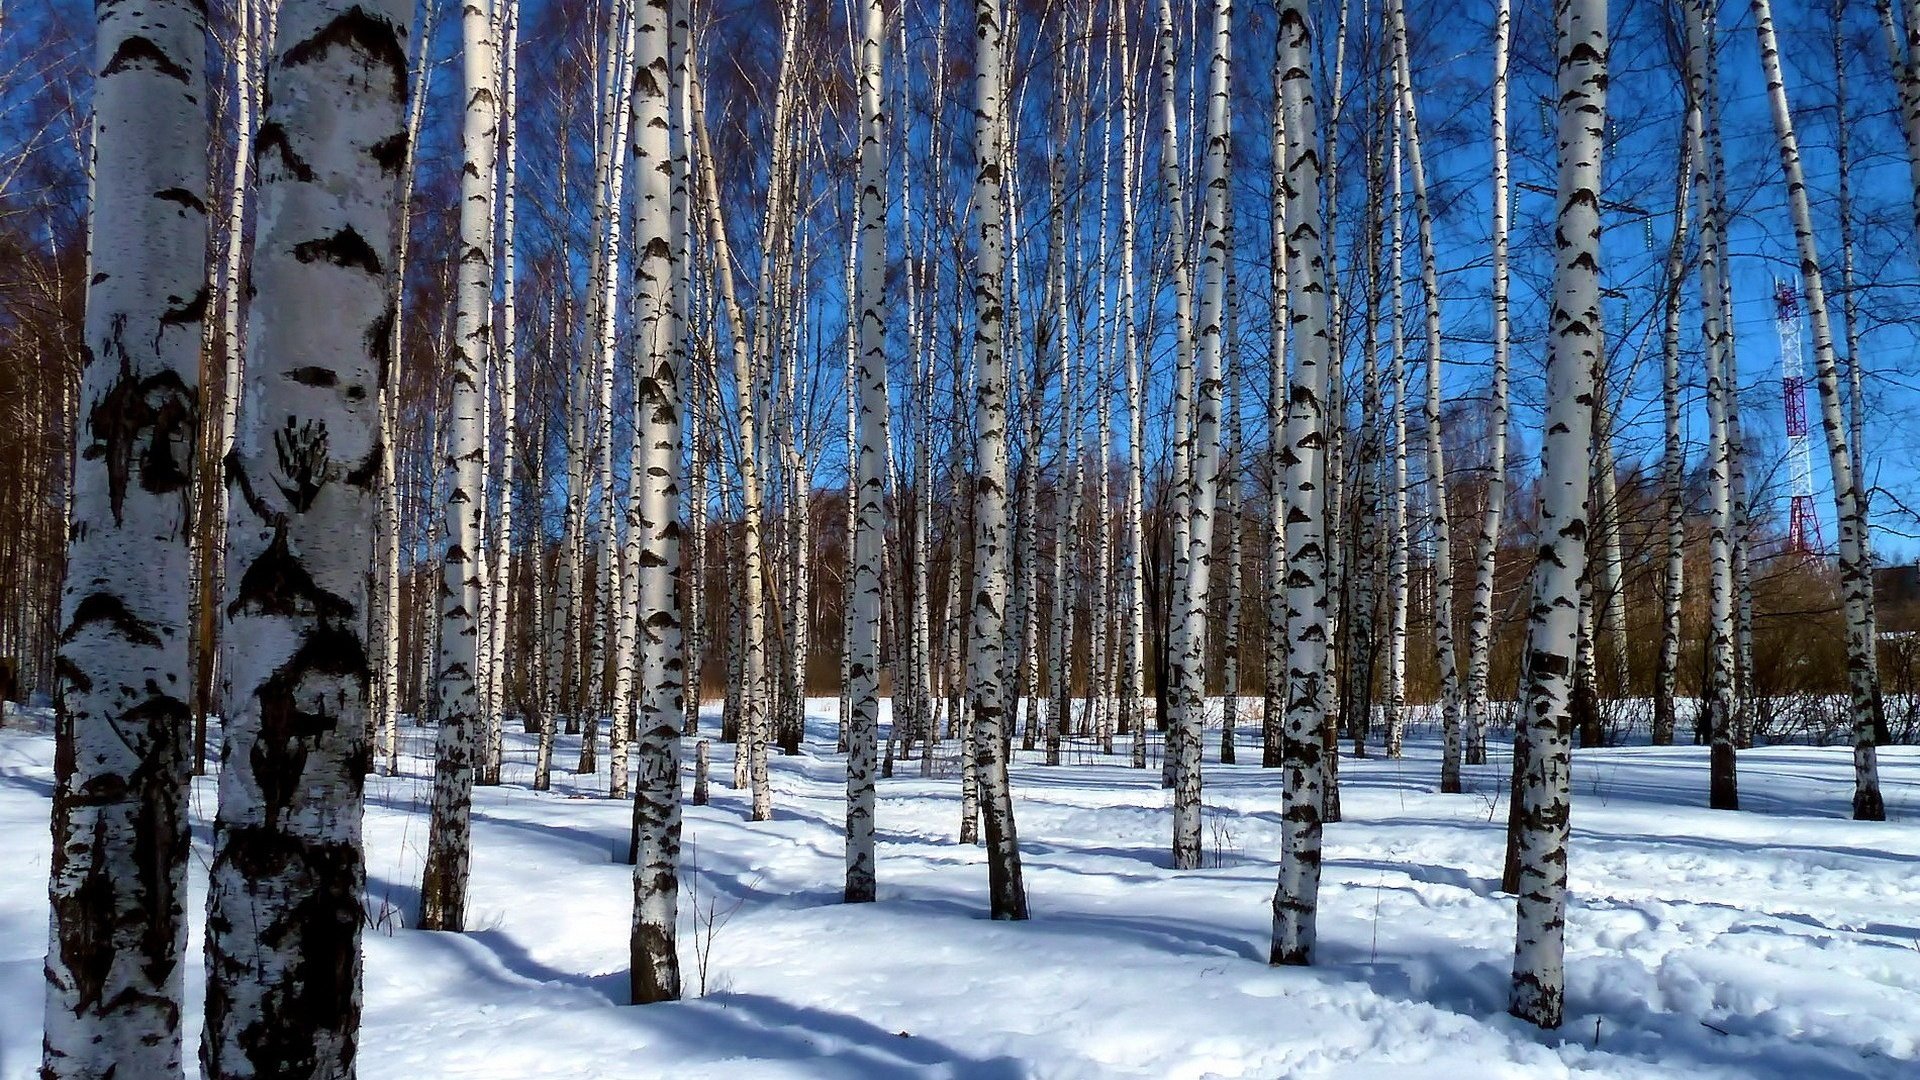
{"x": 144, "y": 428}
{"x": 376, "y": 39}
{"x": 108, "y": 897}
{"x": 379, "y": 343}
{"x": 272, "y": 138}
{"x": 317, "y": 926}
{"x": 303, "y": 460}
{"x": 158, "y": 786}
{"x": 277, "y": 584}
{"x": 71, "y": 677}
{"x": 362, "y": 475}
{"x": 314, "y": 376}
{"x": 343, "y": 248}
{"x": 182, "y": 196}
{"x": 236, "y": 477}
{"x": 294, "y": 709}
{"x": 187, "y": 314}
{"x": 140, "y": 53}
{"x": 390, "y": 153}
{"x": 109, "y": 609}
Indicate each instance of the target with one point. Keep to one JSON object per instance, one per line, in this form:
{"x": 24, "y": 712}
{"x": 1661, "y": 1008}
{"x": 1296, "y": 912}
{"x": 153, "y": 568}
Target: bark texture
{"x": 122, "y": 719}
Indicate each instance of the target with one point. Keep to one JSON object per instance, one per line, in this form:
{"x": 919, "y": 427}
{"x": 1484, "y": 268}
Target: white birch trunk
{"x": 391, "y": 593}
{"x": 1850, "y": 313}
{"x": 1272, "y": 734}
{"x": 612, "y": 637}
{"x": 1574, "y": 345}
{"x": 1059, "y": 629}
{"x": 1487, "y": 544}
{"x": 1193, "y": 553}
{"x": 1903, "y": 53}
{"x": 1444, "y": 651}
{"x": 987, "y": 706}
{"x": 443, "y": 890}
{"x": 660, "y": 304}
{"x": 753, "y": 660}
{"x": 122, "y": 722}
{"x": 283, "y": 926}
{"x": 248, "y": 39}
{"x": 1856, "y": 576}
{"x": 1399, "y": 552}
{"x": 863, "y": 691}
{"x": 1133, "y": 590}
{"x": 1673, "y": 460}
{"x": 506, "y": 379}
{"x": 1296, "y": 898}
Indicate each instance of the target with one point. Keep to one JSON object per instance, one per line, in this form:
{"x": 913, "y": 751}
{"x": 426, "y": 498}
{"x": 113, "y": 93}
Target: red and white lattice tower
{"x": 1803, "y": 525}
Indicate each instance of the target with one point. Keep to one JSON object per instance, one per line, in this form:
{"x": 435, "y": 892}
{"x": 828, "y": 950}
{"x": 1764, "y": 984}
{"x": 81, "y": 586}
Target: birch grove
{"x": 981, "y": 410}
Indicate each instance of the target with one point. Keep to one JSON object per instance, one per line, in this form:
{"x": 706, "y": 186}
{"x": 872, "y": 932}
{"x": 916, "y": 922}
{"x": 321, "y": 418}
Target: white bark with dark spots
{"x": 1574, "y": 345}
{"x": 987, "y": 704}
{"x": 1296, "y": 899}
{"x": 122, "y": 721}
{"x": 443, "y": 890}
{"x": 870, "y": 375}
{"x": 283, "y": 911}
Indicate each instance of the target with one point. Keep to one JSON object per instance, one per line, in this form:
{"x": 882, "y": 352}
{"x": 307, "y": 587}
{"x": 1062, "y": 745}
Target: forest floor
{"x": 1782, "y": 941}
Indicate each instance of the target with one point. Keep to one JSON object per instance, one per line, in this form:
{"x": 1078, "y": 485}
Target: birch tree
{"x": 660, "y": 223}
{"x": 870, "y": 482}
{"x": 249, "y": 30}
{"x": 1856, "y": 576}
{"x": 1573, "y": 345}
{"x": 1673, "y": 457}
{"x": 122, "y": 720}
{"x": 1272, "y": 737}
{"x": 610, "y": 634}
{"x": 752, "y": 680}
{"x": 443, "y": 890}
{"x": 1188, "y": 636}
{"x": 507, "y": 380}
{"x": 283, "y": 923}
{"x": 1719, "y": 689}
{"x": 1444, "y": 652}
{"x": 1133, "y": 561}
{"x": 986, "y": 691}
{"x": 1850, "y": 314}
{"x": 1903, "y": 53}
{"x": 387, "y": 611}
{"x": 1296, "y": 898}
{"x": 1399, "y": 550}
{"x": 1487, "y": 543}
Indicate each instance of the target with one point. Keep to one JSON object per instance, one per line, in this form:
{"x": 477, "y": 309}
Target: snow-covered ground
{"x": 1782, "y": 941}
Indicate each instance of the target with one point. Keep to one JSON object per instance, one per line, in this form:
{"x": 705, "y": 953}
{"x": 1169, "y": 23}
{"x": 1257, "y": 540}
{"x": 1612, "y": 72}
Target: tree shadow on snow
{"x": 1606, "y": 1023}
{"x": 826, "y": 1043}
{"x": 728, "y": 1027}
{"x": 1171, "y": 935}
{"x": 39, "y": 786}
